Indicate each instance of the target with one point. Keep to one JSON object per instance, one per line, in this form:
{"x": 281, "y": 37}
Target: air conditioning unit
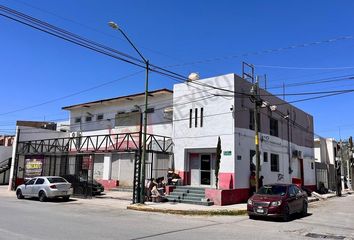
{"x": 297, "y": 154}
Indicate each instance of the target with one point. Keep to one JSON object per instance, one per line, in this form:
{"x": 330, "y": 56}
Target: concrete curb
{"x": 313, "y": 200}
{"x": 143, "y": 208}
{"x": 220, "y": 212}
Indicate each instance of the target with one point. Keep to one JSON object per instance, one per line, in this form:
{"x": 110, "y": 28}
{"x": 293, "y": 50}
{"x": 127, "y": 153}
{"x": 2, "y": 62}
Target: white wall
{"x": 5, "y": 153}
{"x": 217, "y": 121}
{"x": 324, "y": 150}
{"x": 244, "y": 142}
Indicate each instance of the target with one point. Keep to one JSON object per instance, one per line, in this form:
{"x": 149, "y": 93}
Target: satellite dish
{"x": 193, "y": 76}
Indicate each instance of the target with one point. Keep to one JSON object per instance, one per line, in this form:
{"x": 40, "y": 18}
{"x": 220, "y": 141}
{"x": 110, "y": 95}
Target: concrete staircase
{"x": 122, "y": 189}
{"x": 190, "y": 195}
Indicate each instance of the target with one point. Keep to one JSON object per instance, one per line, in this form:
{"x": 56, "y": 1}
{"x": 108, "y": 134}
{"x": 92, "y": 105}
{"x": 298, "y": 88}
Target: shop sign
{"x": 33, "y": 166}
{"x": 227, "y": 153}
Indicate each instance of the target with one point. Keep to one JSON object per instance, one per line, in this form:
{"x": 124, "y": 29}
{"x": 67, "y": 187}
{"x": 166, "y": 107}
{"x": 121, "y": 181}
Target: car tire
{"x": 42, "y": 197}
{"x": 19, "y": 194}
{"x": 66, "y": 198}
{"x": 286, "y": 214}
{"x": 251, "y": 217}
{"x": 304, "y": 209}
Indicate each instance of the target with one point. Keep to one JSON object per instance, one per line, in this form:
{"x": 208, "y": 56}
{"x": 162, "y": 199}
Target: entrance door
{"x": 205, "y": 169}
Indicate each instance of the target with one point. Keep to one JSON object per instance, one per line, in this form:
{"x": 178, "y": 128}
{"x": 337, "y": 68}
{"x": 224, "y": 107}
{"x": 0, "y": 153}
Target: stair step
{"x": 189, "y": 187}
{"x": 186, "y": 197}
{"x": 185, "y": 190}
{"x": 122, "y": 189}
{"x": 204, "y": 203}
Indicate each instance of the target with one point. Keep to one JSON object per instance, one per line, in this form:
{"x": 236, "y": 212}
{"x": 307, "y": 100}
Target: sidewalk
{"x": 190, "y": 209}
{"x": 123, "y": 200}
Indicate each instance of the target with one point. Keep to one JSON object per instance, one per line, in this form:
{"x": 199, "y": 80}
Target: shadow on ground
{"x": 272, "y": 219}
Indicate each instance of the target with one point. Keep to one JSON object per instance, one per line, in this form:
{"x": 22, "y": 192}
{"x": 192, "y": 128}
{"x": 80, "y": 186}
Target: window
{"x": 56, "y": 180}
{"x": 265, "y": 157}
{"x": 127, "y": 119}
{"x": 190, "y": 117}
{"x": 273, "y": 126}
{"x": 274, "y": 162}
{"x": 196, "y": 117}
{"x": 31, "y": 182}
{"x": 78, "y": 120}
{"x": 40, "y": 181}
{"x": 251, "y": 118}
{"x": 99, "y": 117}
{"x": 88, "y": 118}
{"x": 312, "y": 165}
{"x": 292, "y": 192}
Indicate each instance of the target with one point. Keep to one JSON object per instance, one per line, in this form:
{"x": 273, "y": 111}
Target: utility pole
{"x": 341, "y": 165}
{"x": 143, "y": 155}
{"x": 257, "y": 103}
{"x": 350, "y": 162}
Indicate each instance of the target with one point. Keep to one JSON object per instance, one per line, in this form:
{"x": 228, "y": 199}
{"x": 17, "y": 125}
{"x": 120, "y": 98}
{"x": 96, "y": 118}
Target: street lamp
{"x": 143, "y": 156}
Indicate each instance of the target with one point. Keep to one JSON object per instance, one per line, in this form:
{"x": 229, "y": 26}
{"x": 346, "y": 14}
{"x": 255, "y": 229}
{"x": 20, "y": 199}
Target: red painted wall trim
{"x": 109, "y": 184}
{"x": 226, "y": 197}
{"x": 226, "y": 180}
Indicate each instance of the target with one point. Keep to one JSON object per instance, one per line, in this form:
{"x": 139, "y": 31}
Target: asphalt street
{"x": 31, "y": 219}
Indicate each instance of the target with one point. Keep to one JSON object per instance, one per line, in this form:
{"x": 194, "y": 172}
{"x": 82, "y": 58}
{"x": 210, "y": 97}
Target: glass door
{"x": 205, "y": 169}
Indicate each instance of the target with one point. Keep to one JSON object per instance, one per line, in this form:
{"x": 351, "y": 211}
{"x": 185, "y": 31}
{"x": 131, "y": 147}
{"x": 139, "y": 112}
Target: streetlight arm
{"x": 132, "y": 44}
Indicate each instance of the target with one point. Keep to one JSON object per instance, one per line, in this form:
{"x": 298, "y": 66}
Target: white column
{"x": 12, "y": 168}
{"x": 107, "y": 167}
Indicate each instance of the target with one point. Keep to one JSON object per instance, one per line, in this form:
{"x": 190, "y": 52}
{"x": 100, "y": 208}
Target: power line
{"x": 303, "y": 68}
{"x": 71, "y": 95}
{"x": 318, "y": 81}
{"x": 274, "y": 50}
{"x": 91, "y": 28}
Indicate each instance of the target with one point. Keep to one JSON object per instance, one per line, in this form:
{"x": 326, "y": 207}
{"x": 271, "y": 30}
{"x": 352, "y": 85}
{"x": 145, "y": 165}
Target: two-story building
{"x": 183, "y": 128}
{"x": 220, "y": 106}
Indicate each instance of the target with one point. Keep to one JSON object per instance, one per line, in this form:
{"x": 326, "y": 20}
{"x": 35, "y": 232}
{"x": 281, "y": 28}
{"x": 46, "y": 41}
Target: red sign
{"x": 87, "y": 163}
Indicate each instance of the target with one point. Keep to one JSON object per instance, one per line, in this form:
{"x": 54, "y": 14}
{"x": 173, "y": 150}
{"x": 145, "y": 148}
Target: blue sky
{"x": 36, "y": 67}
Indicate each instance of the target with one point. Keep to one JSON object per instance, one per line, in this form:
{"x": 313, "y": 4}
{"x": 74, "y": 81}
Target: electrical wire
{"x": 303, "y": 68}
{"x": 268, "y": 51}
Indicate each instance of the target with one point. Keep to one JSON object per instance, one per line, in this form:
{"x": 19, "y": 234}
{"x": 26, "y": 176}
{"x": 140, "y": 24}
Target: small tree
{"x": 217, "y": 163}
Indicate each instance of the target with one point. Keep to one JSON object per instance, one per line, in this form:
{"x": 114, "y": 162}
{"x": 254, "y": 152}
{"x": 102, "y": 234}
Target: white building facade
{"x": 124, "y": 115}
{"x": 192, "y": 116}
{"x": 203, "y": 113}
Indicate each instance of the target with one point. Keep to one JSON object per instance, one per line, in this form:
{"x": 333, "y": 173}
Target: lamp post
{"x": 143, "y": 156}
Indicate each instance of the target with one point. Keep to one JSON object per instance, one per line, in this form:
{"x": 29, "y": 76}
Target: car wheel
{"x": 42, "y": 197}
{"x": 251, "y": 217}
{"x": 304, "y": 209}
{"x": 286, "y": 214}
{"x": 19, "y": 194}
{"x": 66, "y": 198}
